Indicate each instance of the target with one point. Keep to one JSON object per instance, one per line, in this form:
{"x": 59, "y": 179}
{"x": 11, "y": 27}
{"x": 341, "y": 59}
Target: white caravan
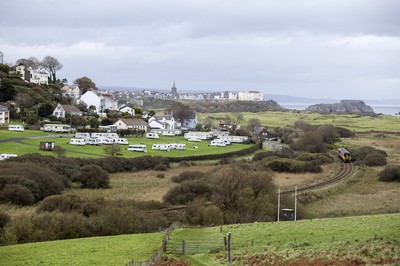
{"x": 217, "y": 142}
{"x": 5, "y": 156}
{"x": 92, "y": 141}
{"x": 161, "y": 147}
{"x": 82, "y": 135}
{"x": 79, "y": 142}
{"x": 98, "y": 135}
{"x": 60, "y": 128}
{"x": 139, "y": 148}
{"x": 178, "y": 146}
{"x": 121, "y": 141}
{"x": 106, "y": 141}
{"x": 18, "y": 128}
{"x": 151, "y": 135}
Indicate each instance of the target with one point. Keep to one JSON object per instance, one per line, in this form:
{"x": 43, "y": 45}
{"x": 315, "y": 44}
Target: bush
{"x": 292, "y": 166}
{"x": 188, "y": 175}
{"x": 361, "y": 153}
{"x": 310, "y": 142}
{"x": 62, "y": 203}
{"x": 92, "y": 176}
{"x": 187, "y": 191}
{"x": 17, "y": 194}
{"x": 390, "y": 173}
{"x": 261, "y": 155}
{"x": 20, "y": 180}
{"x": 4, "y": 219}
{"x": 345, "y": 133}
{"x": 375, "y": 159}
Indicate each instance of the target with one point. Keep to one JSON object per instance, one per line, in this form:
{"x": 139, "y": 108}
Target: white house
{"x": 162, "y": 122}
{"x": 126, "y": 109}
{"x": 130, "y": 123}
{"x": 251, "y": 96}
{"x": 71, "y": 91}
{"x": 190, "y": 122}
{"x": 101, "y": 101}
{"x": 62, "y": 110}
{"x": 33, "y": 75}
{"x": 4, "y": 114}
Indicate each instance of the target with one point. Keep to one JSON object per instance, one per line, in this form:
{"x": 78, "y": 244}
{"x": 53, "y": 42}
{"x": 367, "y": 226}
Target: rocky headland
{"x": 343, "y": 107}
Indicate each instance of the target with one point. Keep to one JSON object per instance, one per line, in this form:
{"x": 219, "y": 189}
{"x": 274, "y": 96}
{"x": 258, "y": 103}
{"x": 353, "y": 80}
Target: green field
{"x": 30, "y": 144}
{"x": 111, "y": 250}
{"x": 347, "y": 236}
{"x": 351, "y": 121}
{"x": 296, "y": 239}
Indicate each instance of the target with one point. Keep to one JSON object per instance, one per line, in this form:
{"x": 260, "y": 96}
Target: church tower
{"x": 174, "y": 89}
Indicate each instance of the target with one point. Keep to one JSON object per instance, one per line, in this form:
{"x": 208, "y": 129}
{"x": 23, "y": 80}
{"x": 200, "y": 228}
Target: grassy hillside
{"x": 350, "y": 121}
{"x": 366, "y": 239}
{"x": 112, "y": 250}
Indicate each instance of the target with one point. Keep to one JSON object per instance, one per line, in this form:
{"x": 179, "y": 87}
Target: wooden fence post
{"x": 183, "y": 247}
{"x": 229, "y": 249}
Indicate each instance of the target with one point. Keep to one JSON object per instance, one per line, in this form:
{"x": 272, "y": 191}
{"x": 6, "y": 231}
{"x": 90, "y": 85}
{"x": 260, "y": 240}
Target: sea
{"x": 378, "y": 109}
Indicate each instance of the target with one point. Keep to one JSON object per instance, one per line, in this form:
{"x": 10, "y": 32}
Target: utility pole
{"x": 279, "y": 202}
{"x": 229, "y": 249}
{"x": 295, "y": 203}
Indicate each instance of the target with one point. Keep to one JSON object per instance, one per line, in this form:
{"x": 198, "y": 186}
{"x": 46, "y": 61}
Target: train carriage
{"x": 344, "y": 155}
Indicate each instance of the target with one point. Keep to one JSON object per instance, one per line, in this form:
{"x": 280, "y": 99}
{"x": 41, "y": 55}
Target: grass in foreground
{"x": 310, "y": 239}
{"x": 112, "y": 250}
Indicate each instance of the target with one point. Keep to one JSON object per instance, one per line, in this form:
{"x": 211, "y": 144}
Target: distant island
{"x": 343, "y": 107}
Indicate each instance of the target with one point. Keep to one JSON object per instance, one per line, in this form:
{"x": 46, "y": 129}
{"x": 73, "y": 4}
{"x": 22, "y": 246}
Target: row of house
{"x": 37, "y": 76}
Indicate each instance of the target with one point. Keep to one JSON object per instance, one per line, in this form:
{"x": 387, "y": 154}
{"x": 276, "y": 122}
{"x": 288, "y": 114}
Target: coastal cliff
{"x": 344, "y": 107}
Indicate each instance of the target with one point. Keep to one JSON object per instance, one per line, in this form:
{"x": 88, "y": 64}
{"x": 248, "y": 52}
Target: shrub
{"x": 4, "y": 219}
{"x": 17, "y": 194}
{"x": 161, "y": 167}
{"x": 261, "y": 155}
{"x": 188, "y": 175}
{"x": 345, "y": 133}
{"x": 20, "y": 180}
{"x": 309, "y": 142}
{"x": 63, "y": 203}
{"x": 375, "y": 159}
{"x": 361, "y": 153}
{"x": 187, "y": 191}
{"x": 92, "y": 176}
{"x": 49, "y": 182}
{"x": 390, "y": 173}
{"x": 292, "y": 166}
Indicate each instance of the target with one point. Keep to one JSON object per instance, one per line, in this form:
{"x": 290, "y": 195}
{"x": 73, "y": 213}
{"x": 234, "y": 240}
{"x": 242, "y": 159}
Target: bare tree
{"x": 31, "y": 62}
{"x": 85, "y": 84}
{"x": 52, "y": 65}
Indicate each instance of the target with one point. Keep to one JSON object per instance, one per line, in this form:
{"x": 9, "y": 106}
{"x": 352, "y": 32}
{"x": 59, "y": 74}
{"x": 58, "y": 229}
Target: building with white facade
{"x": 61, "y": 110}
{"x": 4, "y": 114}
{"x": 162, "y": 122}
{"x": 71, "y": 91}
{"x": 125, "y": 123}
{"x": 250, "y": 96}
{"x": 100, "y": 101}
{"x": 33, "y": 75}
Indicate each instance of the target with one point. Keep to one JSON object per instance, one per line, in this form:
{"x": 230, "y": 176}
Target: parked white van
{"x": 121, "y": 141}
{"x": 82, "y": 135}
{"x": 137, "y": 147}
{"x": 151, "y": 135}
{"x": 79, "y": 142}
{"x": 92, "y": 141}
{"x": 18, "y": 128}
{"x": 161, "y": 147}
{"x": 5, "y": 156}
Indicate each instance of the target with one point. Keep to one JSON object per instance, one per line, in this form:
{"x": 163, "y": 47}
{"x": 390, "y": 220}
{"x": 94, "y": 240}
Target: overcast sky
{"x": 343, "y": 49}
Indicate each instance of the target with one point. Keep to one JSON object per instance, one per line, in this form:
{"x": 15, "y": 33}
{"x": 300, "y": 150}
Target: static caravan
{"x": 112, "y": 135}
{"x": 237, "y": 139}
{"x": 5, "y": 156}
{"x": 79, "y": 142}
{"x": 161, "y": 147}
{"x": 98, "y": 135}
{"x": 178, "y": 146}
{"x": 217, "y": 142}
{"x": 82, "y": 135}
{"x": 106, "y": 141}
{"x": 194, "y": 139}
{"x": 121, "y": 141}
{"x": 58, "y": 128}
{"x": 198, "y": 134}
{"x": 139, "y": 148}
{"x": 18, "y": 128}
{"x": 92, "y": 141}
{"x": 151, "y": 135}
{"x": 46, "y": 146}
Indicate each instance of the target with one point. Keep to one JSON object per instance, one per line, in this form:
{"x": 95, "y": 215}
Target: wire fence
{"x": 156, "y": 256}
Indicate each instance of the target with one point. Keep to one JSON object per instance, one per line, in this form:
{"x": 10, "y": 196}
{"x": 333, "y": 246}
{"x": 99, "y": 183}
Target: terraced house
{"x": 4, "y": 114}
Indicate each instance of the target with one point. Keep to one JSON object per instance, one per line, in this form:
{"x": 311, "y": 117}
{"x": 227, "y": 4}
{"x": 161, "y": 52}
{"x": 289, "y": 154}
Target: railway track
{"x": 345, "y": 170}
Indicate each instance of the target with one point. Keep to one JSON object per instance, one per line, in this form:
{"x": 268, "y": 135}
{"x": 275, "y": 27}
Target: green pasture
{"x": 111, "y": 250}
{"x": 312, "y": 235}
{"x": 30, "y": 144}
{"x": 351, "y": 121}
{"x": 283, "y": 237}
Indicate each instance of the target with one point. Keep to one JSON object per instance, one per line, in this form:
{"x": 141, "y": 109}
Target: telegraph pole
{"x": 295, "y": 203}
{"x": 279, "y": 202}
